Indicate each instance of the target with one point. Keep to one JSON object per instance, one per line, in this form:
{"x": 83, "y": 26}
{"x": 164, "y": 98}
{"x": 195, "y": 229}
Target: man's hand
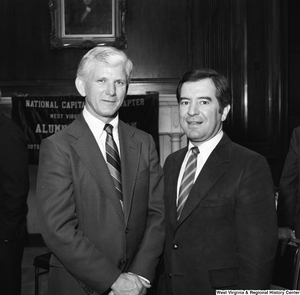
{"x": 285, "y": 234}
{"x": 128, "y": 284}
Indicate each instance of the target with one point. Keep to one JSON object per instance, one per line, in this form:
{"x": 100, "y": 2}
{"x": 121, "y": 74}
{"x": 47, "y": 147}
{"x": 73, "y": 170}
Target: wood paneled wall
{"x": 294, "y": 65}
{"x": 239, "y": 38}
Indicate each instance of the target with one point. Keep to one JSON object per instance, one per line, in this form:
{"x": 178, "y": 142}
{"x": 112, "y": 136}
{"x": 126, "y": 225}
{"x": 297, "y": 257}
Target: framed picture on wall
{"x": 87, "y": 23}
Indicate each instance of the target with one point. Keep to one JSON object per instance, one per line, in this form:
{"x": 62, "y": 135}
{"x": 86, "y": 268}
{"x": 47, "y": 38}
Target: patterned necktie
{"x": 187, "y": 180}
{"x": 113, "y": 160}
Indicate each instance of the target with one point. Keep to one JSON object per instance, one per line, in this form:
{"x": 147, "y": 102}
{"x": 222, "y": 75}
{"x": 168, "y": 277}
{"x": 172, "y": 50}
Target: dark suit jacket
{"x": 82, "y": 220}
{"x": 227, "y": 234}
{"x": 289, "y": 188}
{"x": 14, "y": 180}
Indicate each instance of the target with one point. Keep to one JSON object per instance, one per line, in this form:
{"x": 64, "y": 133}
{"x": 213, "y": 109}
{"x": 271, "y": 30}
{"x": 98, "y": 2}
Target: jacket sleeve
{"x": 256, "y": 225}
{"x": 147, "y": 257}
{"x": 59, "y": 219}
{"x": 14, "y": 180}
{"x": 289, "y": 183}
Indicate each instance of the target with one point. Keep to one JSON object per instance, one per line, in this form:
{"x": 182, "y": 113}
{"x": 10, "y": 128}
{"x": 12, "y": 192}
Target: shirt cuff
{"x": 142, "y": 278}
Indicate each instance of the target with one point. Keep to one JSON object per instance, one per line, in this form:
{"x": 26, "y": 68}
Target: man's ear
{"x": 225, "y": 113}
{"x": 80, "y": 85}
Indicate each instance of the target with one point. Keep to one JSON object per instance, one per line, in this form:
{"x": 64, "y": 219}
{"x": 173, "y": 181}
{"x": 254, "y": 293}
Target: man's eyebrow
{"x": 183, "y": 97}
{"x": 200, "y": 97}
{"x": 205, "y": 97}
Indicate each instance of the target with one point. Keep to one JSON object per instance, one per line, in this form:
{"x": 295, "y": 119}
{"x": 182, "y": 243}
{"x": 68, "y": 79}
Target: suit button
{"x": 121, "y": 263}
{"x": 170, "y": 275}
{"x": 175, "y": 246}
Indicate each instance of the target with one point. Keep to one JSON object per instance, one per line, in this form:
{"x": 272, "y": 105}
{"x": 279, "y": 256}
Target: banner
{"x": 40, "y": 117}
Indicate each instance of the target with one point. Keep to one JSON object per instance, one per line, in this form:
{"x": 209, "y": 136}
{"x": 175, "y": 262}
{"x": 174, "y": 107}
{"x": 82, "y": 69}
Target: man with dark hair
{"x": 219, "y": 199}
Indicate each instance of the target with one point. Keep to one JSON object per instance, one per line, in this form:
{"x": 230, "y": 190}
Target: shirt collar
{"x": 97, "y": 126}
{"x": 208, "y": 146}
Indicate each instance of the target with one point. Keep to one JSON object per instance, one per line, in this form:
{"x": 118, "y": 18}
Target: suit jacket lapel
{"x": 208, "y": 177}
{"x": 130, "y": 156}
{"x": 94, "y": 160}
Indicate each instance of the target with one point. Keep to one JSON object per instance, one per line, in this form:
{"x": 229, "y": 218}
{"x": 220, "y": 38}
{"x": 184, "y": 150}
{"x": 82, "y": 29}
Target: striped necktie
{"x": 187, "y": 180}
{"x": 113, "y": 160}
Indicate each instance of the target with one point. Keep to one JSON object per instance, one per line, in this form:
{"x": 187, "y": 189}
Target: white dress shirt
{"x": 97, "y": 128}
{"x": 205, "y": 150}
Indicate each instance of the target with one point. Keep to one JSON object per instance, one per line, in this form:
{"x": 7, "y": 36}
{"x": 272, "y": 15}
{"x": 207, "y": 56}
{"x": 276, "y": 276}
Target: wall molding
{"x": 67, "y": 87}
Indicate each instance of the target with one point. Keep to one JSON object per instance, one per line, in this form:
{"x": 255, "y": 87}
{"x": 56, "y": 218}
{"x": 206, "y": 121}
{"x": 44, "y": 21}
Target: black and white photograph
{"x": 149, "y": 147}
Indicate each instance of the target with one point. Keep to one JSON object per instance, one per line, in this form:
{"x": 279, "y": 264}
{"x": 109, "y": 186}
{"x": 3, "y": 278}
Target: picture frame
{"x": 87, "y": 23}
